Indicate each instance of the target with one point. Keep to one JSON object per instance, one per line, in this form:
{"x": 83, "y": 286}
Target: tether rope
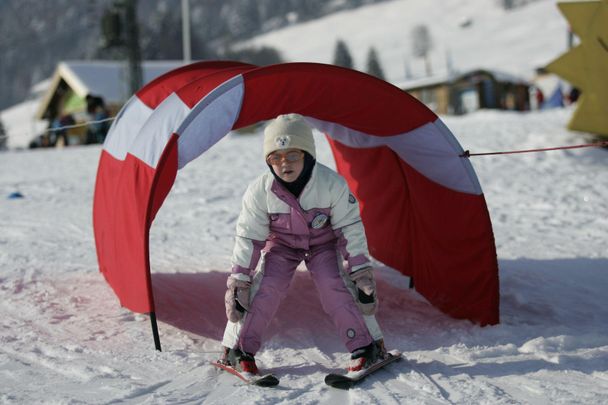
{"x": 588, "y": 145}
{"x": 466, "y": 153}
{"x": 82, "y": 124}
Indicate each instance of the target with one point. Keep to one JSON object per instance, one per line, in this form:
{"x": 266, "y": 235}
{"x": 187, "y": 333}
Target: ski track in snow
{"x": 64, "y": 338}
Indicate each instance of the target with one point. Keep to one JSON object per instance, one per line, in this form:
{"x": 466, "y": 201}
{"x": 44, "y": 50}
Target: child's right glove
{"x": 366, "y": 290}
{"x": 237, "y": 296}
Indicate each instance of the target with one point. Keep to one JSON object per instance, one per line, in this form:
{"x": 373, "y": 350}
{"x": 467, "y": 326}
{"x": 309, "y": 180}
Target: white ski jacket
{"x": 325, "y": 213}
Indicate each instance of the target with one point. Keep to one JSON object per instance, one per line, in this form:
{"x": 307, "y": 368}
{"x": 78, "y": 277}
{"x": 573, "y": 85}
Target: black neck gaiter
{"x": 296, "y": 186}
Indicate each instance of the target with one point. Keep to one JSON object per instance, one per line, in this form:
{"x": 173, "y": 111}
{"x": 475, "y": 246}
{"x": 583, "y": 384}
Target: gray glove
{"x": 366, "y": 290}
{"x": 237, "y": 296}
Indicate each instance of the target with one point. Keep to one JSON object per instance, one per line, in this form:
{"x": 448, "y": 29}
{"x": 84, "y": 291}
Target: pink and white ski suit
{"x": 323, "y": 228}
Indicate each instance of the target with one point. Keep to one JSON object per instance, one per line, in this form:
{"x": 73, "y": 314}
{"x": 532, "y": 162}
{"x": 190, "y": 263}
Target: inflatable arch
{"x": 421, "y": 203}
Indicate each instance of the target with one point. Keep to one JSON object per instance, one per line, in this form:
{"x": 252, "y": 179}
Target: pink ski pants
{"x": 280, "y": 263}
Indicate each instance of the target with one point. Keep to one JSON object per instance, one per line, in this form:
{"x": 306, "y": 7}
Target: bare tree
{"x": 408, "y": 70}
{"x": 422, "y": 43}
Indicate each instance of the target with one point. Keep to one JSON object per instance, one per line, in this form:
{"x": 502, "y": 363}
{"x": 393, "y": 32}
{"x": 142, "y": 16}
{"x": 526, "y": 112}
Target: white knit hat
{"x": 288, "y": 131}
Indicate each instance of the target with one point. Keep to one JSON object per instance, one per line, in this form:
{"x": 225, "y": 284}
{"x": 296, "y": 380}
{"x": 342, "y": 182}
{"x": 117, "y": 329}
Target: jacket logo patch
{"x": 351, "y": 199}
{"x": 282, "y": 141}
{"x": 319, "y": 221}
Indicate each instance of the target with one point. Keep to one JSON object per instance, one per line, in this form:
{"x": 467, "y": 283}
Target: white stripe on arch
{"x": 210, "y": 120}
{"x": 157, "y": 130}
{"x": 125, "y": 128}
{"x": 431, "y": 149}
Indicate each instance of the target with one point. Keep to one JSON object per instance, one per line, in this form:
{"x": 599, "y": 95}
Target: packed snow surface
{"x": 64, "y": 339}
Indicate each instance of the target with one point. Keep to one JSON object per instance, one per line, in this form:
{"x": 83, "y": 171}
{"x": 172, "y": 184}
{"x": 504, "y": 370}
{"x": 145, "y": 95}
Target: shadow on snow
{"x": 539, "y": 299}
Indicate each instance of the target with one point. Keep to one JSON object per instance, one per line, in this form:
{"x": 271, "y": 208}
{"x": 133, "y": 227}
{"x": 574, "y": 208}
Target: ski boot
{"x": 364, "y": 357}
{"x": 239, "y": 360}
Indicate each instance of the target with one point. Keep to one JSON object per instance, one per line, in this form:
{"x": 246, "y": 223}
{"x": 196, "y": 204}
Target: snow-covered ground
{"x": 64, "y": 339}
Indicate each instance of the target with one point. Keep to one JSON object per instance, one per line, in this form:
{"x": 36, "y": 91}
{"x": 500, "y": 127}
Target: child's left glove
{"x": 237, "y": 296}
{"x": 366, "y": 290}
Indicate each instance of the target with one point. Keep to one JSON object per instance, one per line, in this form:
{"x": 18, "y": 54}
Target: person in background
{"x": 573, "y": 95}
{"x": 96, "y": 109}
{"x": 540, "y": 98}
{"x": 59, "y": 132}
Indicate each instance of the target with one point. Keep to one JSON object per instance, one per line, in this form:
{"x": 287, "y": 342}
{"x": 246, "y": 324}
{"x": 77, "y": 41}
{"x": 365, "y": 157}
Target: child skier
{"x": 299, "y": 211}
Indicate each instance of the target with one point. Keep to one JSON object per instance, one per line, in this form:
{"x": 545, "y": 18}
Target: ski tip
{"x": 268, "y": 380}
{"x": 347, "y": 381}
{"x": 339, "y": 381}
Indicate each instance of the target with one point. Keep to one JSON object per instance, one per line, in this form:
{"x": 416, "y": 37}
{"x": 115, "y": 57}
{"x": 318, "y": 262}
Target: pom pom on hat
{"x": 288, "y": 131}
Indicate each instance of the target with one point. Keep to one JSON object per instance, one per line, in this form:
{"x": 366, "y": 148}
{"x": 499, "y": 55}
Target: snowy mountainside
{"x": 466, "y": 34}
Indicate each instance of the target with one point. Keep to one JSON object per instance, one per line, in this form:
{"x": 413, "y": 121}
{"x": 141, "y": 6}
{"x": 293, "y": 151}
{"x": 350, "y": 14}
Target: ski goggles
{"x": 276, "y": 158}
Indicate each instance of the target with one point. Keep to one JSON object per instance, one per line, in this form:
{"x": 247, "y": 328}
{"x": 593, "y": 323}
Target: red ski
{"x": 267, "y": 380}
{"x": 347, "y": 381}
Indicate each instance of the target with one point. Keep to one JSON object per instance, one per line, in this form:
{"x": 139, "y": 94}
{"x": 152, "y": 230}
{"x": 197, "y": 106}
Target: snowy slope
{"x": 65, "y": 339}
{"x": 515, "y": 41}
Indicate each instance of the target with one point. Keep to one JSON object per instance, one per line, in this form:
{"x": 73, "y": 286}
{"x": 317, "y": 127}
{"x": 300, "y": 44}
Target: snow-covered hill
{"x": 64, "y": 338}
{"x": 468, "y": 34}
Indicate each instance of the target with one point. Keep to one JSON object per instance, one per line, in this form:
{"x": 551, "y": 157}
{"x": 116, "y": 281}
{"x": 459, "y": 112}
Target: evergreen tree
{"x": 342, "y": 55}
{"x": 373, "y": 64}
{"x": 2, "y": 136}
